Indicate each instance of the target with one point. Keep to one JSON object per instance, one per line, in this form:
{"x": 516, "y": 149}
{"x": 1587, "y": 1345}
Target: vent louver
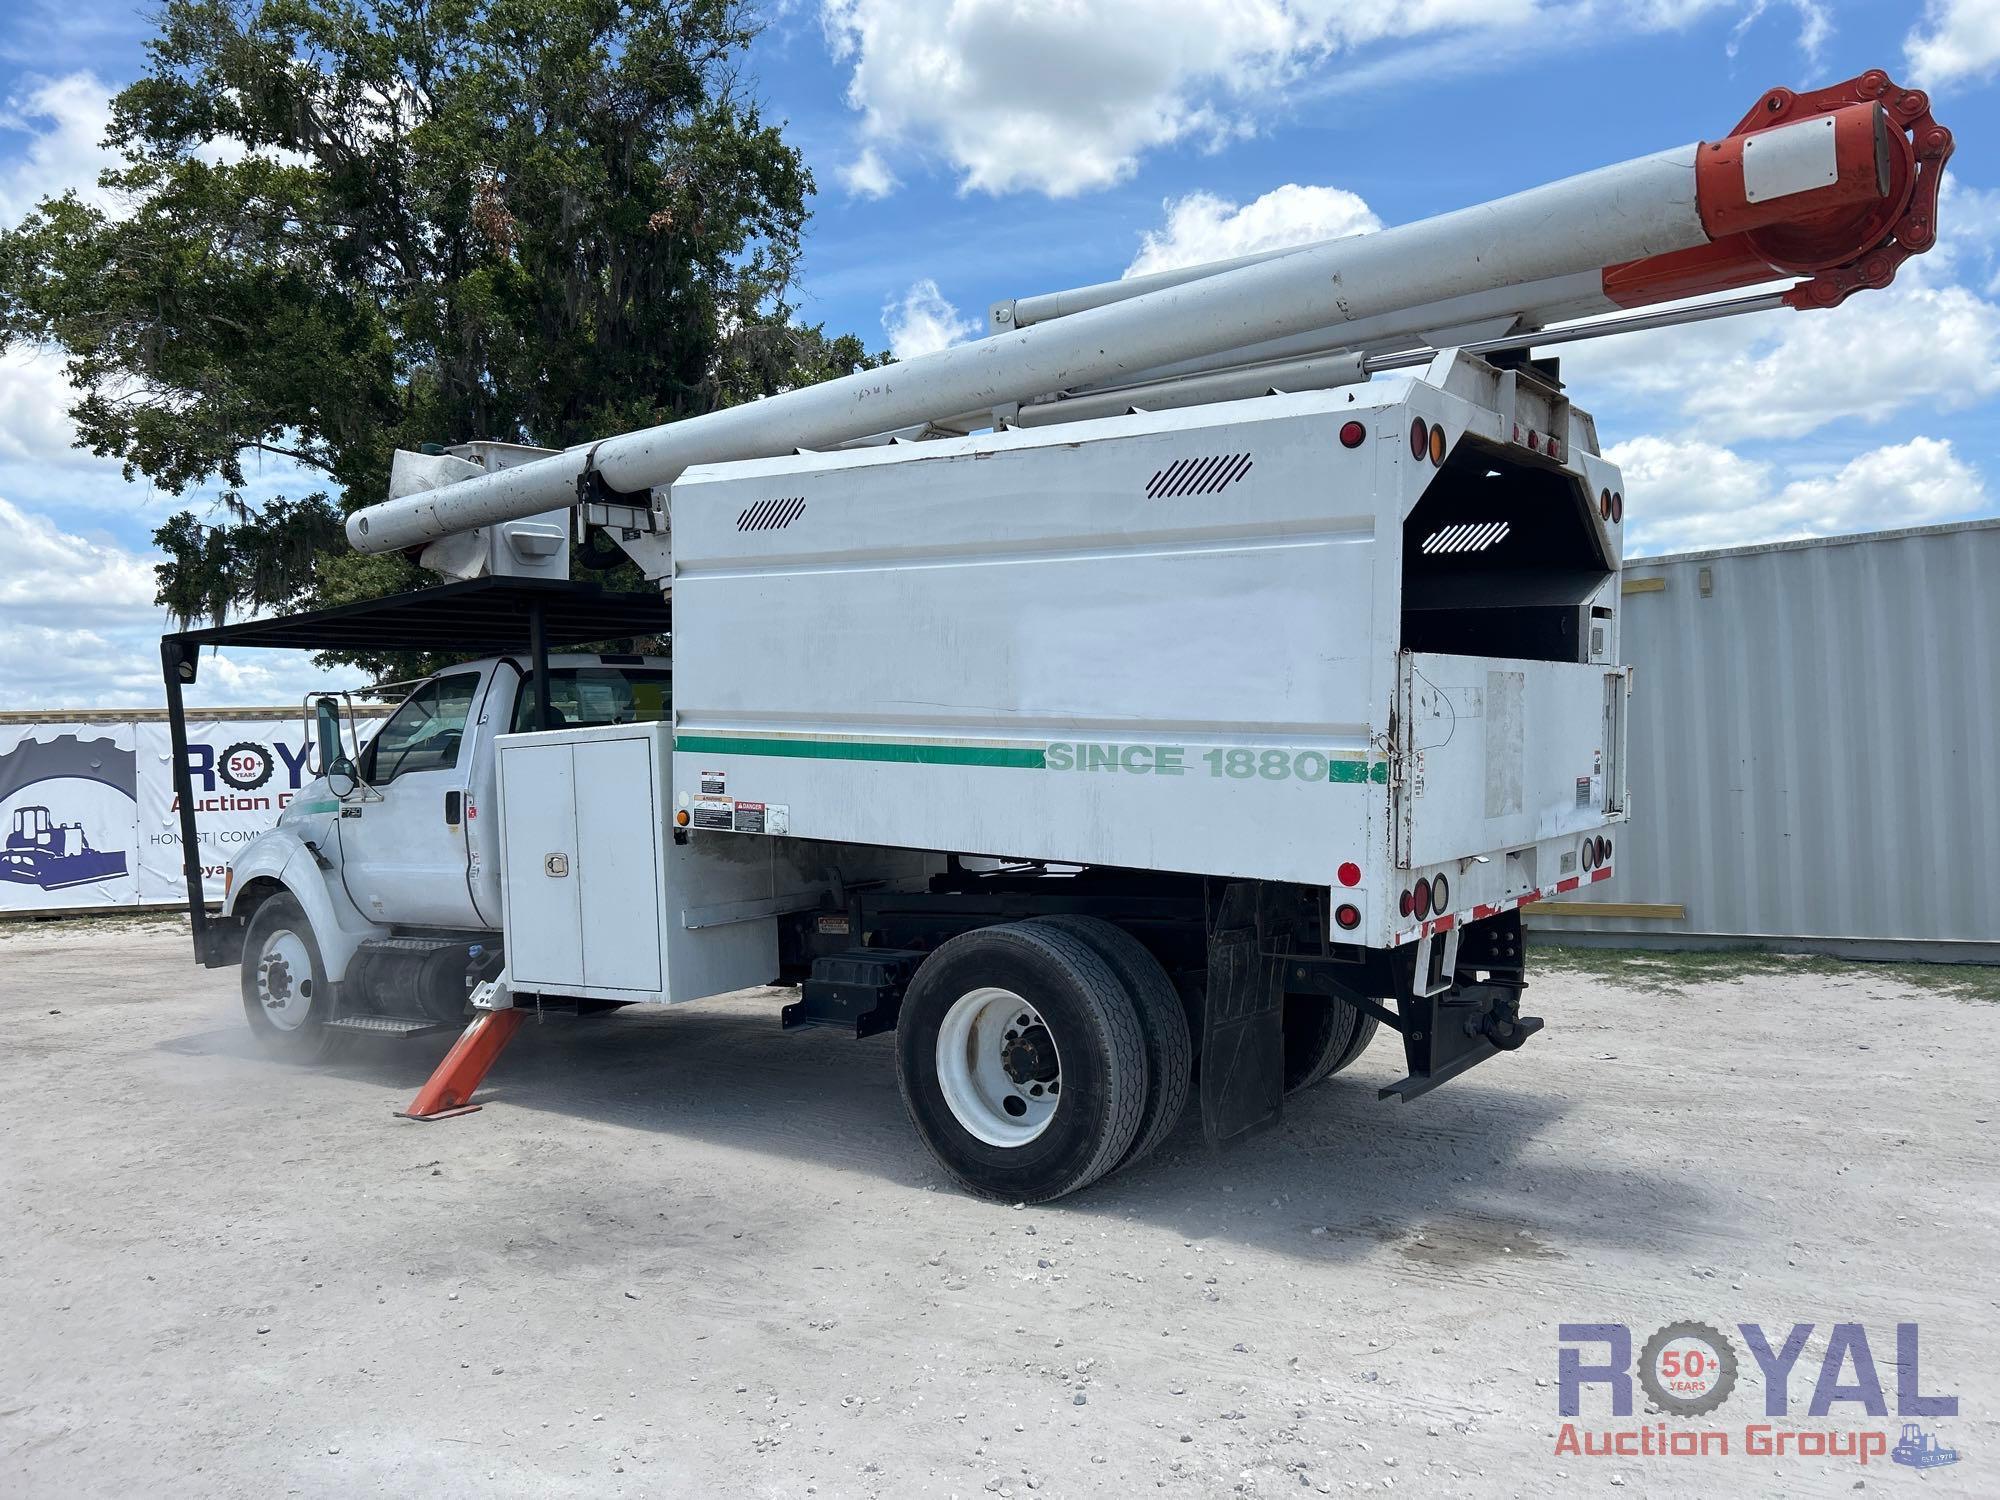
{"x": 1198, "y": 476}
{"x": 1466, "y": 536}
{"x": 772, "y": 515}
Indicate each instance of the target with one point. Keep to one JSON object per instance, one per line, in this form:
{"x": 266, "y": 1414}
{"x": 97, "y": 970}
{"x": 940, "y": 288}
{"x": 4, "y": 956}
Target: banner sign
{"x": 89, "y": 817}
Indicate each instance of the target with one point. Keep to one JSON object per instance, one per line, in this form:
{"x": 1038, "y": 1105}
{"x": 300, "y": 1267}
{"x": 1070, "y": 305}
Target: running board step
{"x": 387, "y": 1025}
{"x": 862, "y": 988}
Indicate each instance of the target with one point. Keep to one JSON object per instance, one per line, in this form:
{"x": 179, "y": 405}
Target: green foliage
{"x": 344, "y": 228}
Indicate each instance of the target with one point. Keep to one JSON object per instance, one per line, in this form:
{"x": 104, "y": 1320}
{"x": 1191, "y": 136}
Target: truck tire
{"x": 1021, "y": 1061}
{"x": 1163, "y": 1023}
{"x": 286, "y": 997}
{"x": 1323, "y": 1034}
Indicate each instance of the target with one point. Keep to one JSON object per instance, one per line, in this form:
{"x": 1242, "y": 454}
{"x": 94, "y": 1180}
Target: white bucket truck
{"x": 1143, "y": 700}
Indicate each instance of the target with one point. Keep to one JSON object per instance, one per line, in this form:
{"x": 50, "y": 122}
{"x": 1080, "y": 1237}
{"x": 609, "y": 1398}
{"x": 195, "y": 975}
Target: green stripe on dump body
{"x": 1339, "y": 771}
{"x": 1024, "y": 757}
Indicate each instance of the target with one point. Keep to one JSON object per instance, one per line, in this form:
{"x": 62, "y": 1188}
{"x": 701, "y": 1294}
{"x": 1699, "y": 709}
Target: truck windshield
{"x": 592, "y": 696}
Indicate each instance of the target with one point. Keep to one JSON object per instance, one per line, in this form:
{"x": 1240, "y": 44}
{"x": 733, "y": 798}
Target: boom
{"x": 1837, "y": 187}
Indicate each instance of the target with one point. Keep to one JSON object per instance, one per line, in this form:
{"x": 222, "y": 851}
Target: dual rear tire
{"x": 1037, "y": 1056}
{"x": 1323, "y": 1034}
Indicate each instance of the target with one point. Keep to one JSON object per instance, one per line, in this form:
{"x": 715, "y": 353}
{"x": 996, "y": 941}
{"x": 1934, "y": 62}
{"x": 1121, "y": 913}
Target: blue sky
{"x": 994, "y": 148}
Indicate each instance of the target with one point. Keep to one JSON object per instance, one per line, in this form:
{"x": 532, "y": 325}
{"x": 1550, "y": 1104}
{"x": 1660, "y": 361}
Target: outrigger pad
{"x": 1243, "y": 1023}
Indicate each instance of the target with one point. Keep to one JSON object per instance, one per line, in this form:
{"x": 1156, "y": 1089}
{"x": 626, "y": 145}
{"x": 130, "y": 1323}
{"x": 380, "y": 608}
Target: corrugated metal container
{"x": 1814, "y": 749}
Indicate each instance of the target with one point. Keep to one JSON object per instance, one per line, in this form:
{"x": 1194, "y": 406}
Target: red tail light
{"x": 1347, "y": 915}
{"x": 1349, "y": 874}
{"x": 1353, "y": 435}
{"x": 1420, "y": 900}
{"x": 1420, "y": 438}
{"x": 1407, "y": 904}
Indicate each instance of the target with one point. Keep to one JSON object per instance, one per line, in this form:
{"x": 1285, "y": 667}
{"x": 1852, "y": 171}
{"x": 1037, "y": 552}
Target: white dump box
{"x": 1307, "y": 639}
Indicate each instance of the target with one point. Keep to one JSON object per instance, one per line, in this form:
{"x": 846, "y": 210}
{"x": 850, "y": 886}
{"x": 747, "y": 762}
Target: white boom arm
{"x": 1806, "y": 184}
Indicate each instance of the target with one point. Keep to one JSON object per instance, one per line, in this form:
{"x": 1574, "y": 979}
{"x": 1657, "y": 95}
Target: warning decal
{"x": 749, "y": 817}
{"x": 715, "y": 815}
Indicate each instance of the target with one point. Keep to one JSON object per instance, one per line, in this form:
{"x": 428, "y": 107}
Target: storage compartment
{"x": 601, "y": 900}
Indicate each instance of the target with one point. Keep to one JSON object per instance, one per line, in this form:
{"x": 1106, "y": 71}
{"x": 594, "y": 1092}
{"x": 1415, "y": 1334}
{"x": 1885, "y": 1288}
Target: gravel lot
{"x": 686, "y": 1253}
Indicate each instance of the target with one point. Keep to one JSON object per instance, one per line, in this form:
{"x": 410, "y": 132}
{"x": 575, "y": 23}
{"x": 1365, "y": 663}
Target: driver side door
{"x": 404, "y": 857}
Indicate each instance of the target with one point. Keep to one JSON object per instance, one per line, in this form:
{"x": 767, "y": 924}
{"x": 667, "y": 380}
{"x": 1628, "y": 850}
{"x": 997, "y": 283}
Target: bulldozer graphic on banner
{"x": 55, "y": 856}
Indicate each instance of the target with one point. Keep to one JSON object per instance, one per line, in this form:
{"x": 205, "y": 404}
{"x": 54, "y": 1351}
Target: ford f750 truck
{"x": 1148, "y": 701}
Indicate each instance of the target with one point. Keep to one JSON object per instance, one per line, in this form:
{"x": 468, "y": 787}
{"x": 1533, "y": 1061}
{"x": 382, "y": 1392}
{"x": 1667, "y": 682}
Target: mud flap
{"x": 1243, "y": 1019}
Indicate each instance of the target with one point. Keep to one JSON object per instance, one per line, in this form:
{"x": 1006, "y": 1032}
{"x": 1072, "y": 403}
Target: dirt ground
{"x": 687, "y": 1253}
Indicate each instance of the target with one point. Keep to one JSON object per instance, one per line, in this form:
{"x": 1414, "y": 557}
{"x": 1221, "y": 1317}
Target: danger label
{"x": 749, "y": 817}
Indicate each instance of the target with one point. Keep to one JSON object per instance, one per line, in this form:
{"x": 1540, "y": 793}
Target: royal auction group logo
{"x": 1689, "y": 1370}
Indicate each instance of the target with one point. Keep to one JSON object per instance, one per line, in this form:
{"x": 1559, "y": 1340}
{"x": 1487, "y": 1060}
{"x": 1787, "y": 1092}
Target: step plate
{"x": 386, "y": 1025}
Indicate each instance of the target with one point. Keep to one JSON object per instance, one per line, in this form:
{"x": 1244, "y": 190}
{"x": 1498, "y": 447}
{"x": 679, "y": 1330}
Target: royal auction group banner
{"x": 89, "y": 816}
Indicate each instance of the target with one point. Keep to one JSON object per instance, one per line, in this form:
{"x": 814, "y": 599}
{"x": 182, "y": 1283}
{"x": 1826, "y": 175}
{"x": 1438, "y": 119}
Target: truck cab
{"x": 396, "y": 838}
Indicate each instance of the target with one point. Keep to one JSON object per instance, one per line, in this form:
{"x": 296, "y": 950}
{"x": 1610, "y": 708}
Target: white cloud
{"x": 868, "y": 176}
{"x": 1957, "y": 39}
{"x": 64, "y": 120}
{"x": 1064, "y": 97}
{"x": 46, "y": 570}
{"x": 1786, "y": 374}
{"x": 1202, "y": 227}
{"x": 79, "y": 629}
{"x": 922, "y": 321}
{"x": 1690, "y": 493}
{"x": 1815, "y": 25}
{"x": 35, "y": 427}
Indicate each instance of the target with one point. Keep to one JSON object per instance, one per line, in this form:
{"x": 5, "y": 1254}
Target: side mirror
{"x": 326, "y": 727}
{"x": 330, "y": 754}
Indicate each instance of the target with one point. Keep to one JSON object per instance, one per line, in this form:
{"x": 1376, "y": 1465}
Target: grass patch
{"x": 1668, "y": 973}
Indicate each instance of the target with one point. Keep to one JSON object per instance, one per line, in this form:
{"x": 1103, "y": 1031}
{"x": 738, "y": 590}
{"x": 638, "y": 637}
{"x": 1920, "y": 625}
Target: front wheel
{"x": 1021, "y": 1061}
{"x": 286, "y": 997}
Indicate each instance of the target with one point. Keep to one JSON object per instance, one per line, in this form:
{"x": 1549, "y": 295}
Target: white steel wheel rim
{"x": 285, "y": 980}
{"x": 998, "y": 1067}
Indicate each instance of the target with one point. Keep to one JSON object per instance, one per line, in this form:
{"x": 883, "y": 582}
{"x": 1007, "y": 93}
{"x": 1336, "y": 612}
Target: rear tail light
{"x": 1407, "y": 904}
{"x": 1605, "y": 857}
{"x": 1420, "y": 900}
{"x": 1349, "y": 874}
{"x": 1420, "y": 437}
{"x": 1353, "y": 435}
{"x": 1440, "y": 894}
{"x": 1347, "y": 915}
{"x": 1617, "y": 508}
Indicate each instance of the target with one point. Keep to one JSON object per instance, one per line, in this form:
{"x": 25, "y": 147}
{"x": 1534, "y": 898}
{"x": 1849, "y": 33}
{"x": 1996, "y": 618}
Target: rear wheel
{"x": 1163, "y": 1024}
{"x": 1021, "y": 1061}
{"x": 1323, "y": 1034}
{"x": 286, "y": 997}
